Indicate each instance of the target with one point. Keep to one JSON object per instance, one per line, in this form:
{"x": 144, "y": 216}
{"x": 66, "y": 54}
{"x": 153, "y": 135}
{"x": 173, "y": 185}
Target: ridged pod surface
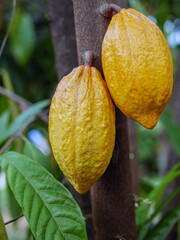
{"x": 138, "y": 66}
{"x": 82, "y": 127}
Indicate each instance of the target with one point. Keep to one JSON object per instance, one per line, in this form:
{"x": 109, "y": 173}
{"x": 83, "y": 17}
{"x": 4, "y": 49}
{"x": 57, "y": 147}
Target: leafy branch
{"x": 22, "y": 102}
{"x": 16, "y": 128}
{"x": 16, "y": 135}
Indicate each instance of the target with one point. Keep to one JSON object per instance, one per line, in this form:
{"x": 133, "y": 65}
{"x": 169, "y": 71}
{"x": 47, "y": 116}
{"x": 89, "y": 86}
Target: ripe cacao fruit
{"x": 82, "y": 127}
{"x": 137, "y": 66}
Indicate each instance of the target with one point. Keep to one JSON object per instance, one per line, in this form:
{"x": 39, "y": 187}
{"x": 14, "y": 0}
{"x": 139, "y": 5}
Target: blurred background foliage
{"x": 29, "y": 57}
{"x": 27, "y": 68}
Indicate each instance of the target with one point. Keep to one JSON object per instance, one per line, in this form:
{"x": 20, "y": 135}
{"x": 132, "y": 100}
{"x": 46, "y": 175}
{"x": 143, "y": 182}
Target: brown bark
{"x": 133, "y": 155}
{"x": 63, "y": 36}
{"x": 113, "y": 209}
{"x": 112, "y": 200}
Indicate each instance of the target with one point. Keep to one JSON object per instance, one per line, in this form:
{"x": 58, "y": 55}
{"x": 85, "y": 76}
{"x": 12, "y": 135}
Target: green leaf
{"x": 3, "y": 234}
{"x": 144, "y": 231}
{"x": 4, "y": 119}
{"x": 7, "y": 83}
{"x": 35, "y": 154}
{"x": 23, "y": 117}
{"x": 172, "y": 130}
{"x": 14, "y": 208}
{"x": 145, "y": 211}
{"x": 22, "y": 37}
{"x": 165, "y": 225}
{"x": 162, "y": 12}
{"x": 146, "y": 187}
{"x": 47, "y": 205}
{"x": 147, "y": 142}
{"x": 26, "y": 115}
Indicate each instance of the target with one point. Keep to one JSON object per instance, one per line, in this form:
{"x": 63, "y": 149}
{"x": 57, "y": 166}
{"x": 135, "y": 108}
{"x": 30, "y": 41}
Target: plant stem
{"x": 7, "y": 33}
{"x": 22, "y": 102}
{"x": 14, "y": 219}
{"x": 88, "y": 58}
{"x": 107, "y": 9}
{"x": 14, "y": 97}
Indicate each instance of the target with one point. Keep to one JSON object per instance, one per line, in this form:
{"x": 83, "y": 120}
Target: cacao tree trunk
{"x": 133, "y": 155}
{"x": 112, "y": 199}
{"x": 62, "y": 30}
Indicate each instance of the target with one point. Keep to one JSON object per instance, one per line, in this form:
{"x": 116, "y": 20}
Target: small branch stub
{"x": 88, "y": 58}
{"x": 107, "y": 9}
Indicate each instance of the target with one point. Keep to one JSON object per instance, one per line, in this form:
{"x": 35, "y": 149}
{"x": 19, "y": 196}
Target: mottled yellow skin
{"x": 82, "y": 127}
{"x": 138, "y": 66}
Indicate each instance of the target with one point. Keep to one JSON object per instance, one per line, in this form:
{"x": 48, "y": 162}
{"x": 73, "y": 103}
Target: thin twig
{"x": 14, "y": 219}
{"x": 24, "y": 138}
{"x": 14, "y": 97}
{"x": 107, "y": 9}
{"x": 22, "y": 102}
{"x": 16, "y": 135}
{"x": 7, "y": 33}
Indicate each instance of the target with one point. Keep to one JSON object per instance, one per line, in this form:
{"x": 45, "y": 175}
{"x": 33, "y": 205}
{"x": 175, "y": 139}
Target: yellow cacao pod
{"x": 138, "y": 66}
{"x": 82, "y": 127}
